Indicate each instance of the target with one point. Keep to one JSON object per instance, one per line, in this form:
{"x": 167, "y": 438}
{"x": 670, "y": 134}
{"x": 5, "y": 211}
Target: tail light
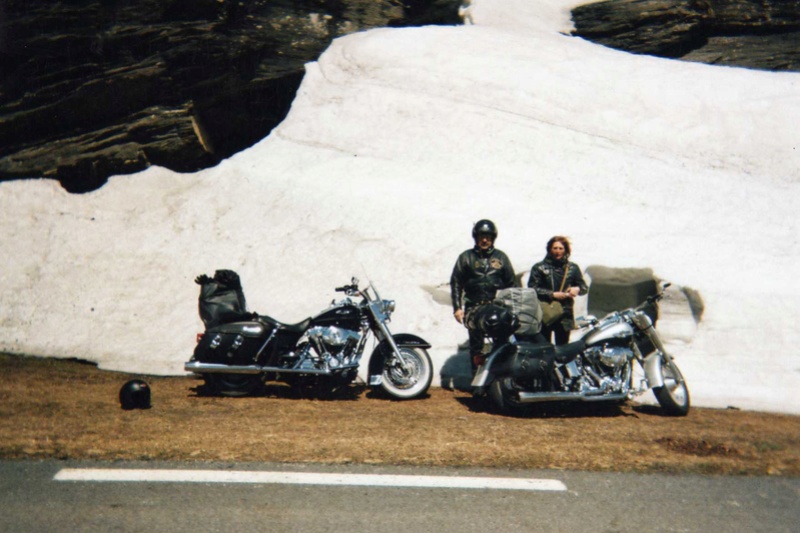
{"x": 199, "y": 337}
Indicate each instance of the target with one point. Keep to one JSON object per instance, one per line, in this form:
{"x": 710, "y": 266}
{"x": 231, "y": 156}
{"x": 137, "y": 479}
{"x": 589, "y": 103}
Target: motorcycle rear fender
{"x": 652, "y": 370}
{"x": 487, "y": 372}
{"x": 384, "y": 349}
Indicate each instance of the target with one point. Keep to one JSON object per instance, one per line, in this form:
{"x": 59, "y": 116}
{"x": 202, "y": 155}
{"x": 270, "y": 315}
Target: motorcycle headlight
{"x": 388, "y": 306}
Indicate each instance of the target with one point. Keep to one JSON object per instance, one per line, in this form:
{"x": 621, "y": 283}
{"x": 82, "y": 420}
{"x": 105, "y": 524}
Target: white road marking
{"x": 306, "y": 478}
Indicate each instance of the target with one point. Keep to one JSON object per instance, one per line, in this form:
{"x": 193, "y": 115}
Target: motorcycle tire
{"x": 410, "y": 382}
{"x": 673, "y": 396}
{"x": 233, "y": 385}
{"x": 503, "y": 399}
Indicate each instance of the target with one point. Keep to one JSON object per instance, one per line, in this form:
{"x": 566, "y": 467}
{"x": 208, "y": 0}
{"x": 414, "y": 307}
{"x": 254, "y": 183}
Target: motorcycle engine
{"x": 332, "y": 336}
{"x": 333, "y": 346}
{"x": 610, "y": 356}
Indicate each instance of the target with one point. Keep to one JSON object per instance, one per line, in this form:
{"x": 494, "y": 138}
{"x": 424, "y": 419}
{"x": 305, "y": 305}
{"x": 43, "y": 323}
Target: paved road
{"x": 31, "y": 500}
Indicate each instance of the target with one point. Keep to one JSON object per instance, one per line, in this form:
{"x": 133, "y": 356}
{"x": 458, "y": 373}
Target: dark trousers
{"x": 558, "y": 330}
{"x": 476, "y": 337}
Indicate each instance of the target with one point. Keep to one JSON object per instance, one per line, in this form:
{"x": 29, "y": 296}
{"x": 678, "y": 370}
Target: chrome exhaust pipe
{"x": 212, "y": 368}
{"x": 215, "y": 368}
{"x": 590, "y": 396}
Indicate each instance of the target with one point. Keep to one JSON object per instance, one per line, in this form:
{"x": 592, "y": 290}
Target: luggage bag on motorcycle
{"x": 492, "y": 320}
{"x": 231, "y": 344}
{"x": 524, "y": 303}
{"x": 221, "y": 299}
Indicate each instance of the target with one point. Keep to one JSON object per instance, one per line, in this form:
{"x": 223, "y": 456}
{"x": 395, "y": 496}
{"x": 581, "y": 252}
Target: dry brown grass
{"x": 70, "y": 410}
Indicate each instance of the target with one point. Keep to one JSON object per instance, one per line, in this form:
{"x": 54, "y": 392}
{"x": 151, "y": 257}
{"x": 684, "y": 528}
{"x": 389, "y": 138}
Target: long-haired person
{"x": 555, "y": 278}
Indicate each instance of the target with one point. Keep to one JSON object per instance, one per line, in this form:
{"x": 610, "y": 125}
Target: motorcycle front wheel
{"x": 405, "y": 382}
{"x": 233, "y": 385}
{"x": 674, "y": 395}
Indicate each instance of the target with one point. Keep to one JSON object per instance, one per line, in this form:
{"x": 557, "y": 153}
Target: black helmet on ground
{"x": 484, "y": 227}
{"x": 135, "y": 394}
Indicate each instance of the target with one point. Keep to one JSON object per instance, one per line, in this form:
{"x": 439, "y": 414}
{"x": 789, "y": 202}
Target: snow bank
{"x": 398, "y": 140}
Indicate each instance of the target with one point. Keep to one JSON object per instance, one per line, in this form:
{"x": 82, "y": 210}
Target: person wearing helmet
{"x": 477, "y": 275}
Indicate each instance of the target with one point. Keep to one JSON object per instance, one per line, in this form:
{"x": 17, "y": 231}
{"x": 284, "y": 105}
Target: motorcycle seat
{"x": 567, "y": 352}
{"x": 294, "y": 328}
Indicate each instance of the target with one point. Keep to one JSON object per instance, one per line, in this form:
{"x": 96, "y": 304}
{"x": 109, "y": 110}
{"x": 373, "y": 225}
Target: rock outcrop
{"x": 760, "y": 34}
{"x": 92, "y": 88}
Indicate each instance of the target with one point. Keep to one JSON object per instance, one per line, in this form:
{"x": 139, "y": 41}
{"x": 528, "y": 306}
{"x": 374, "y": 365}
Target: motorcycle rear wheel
{"x": 503, "y": 398}
{"x": 673, "y": 396}
{"x": 409, "y": 382}
{"x": 233, "y": 385}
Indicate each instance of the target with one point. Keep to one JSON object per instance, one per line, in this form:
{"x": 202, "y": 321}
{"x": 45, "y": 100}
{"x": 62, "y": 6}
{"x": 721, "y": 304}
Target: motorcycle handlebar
{"x": 655, "y": 297}
{"x": 349, "y": 290}
{"x": 353, "y": 287}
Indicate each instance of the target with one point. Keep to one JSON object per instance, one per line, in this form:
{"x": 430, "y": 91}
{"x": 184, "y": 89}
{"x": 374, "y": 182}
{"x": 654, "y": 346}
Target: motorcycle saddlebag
{"x": 530, "y": 361}
{"x": 231, "y": 344}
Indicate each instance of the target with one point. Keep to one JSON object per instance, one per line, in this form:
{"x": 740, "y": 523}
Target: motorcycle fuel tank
{"x": 343, "y": 316}
{"x": 606, "y": 331}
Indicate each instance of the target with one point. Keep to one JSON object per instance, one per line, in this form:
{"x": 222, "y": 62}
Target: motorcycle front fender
{"x": 384, "y": 349}
{"x": 652, "y": 370}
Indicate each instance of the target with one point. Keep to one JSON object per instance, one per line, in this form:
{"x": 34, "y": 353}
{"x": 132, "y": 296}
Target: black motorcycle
{"x": 239, "y": 351}
{"x": 597, "y": 367}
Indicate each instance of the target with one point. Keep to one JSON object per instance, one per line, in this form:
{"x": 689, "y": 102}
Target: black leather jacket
{"x": 478, "y": 275}
{"x": 546, "y": 278}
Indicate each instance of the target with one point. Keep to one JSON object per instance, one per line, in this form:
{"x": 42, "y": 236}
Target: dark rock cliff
{"x": 92, "y": 88}
{"x": 760, "y": 34}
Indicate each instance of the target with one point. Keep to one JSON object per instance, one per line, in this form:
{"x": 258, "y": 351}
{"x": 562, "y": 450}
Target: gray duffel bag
{"x": 525, "y": 304}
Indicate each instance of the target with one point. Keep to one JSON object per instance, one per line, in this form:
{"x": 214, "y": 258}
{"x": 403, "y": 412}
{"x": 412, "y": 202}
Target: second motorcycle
{"x": 239, "y": 351}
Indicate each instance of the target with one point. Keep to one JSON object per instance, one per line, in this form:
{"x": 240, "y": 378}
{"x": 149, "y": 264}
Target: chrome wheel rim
{"x": 404, "y": 378}
{"x": 673, "y": 382}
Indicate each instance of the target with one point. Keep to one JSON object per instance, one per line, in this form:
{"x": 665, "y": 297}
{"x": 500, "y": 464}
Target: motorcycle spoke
{"x": 409, "y": 380}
